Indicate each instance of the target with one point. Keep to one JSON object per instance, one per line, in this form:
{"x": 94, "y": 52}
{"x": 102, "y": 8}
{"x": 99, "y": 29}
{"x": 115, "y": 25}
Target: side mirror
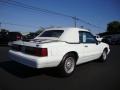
{"x": 99, "y": 39}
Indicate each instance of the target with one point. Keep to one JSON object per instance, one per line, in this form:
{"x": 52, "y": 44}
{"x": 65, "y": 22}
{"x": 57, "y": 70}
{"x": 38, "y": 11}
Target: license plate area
{"x": 29, "y": 50}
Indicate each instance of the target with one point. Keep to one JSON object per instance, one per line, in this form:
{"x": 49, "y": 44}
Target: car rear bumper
{"x": 31, "y": 61}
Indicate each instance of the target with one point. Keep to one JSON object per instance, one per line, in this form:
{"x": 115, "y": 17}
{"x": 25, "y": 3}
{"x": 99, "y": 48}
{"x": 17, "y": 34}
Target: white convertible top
{"x": 68, "y": 28}
{"x": 70, "y": 34}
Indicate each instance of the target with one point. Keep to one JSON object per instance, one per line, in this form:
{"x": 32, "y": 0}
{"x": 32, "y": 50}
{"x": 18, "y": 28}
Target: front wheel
{"x": 103, "y": 56}
{"x": 67, "y": 65}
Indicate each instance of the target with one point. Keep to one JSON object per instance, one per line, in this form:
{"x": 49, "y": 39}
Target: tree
{"x": 113, "y": 27}
{"x": 4, "y": 30}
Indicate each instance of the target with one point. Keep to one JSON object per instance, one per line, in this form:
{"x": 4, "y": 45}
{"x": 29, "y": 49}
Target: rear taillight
{"x": 18, "y": 37}
{"x": 42, "y": 52}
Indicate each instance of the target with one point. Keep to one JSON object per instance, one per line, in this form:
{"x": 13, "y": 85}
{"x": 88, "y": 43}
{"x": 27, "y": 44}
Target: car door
{"x": 90, "y": 46}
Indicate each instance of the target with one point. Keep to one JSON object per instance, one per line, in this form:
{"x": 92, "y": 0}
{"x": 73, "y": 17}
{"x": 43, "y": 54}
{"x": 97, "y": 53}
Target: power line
{"x": 19, "y": 4}
{"x": 30, "y": 10}
{"x": 23, "y": 5}
{"x": 20, "y": 25}
{"x": 48, "y": 11}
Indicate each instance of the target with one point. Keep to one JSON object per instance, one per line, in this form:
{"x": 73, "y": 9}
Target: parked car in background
{"x": 29, "y": 36}
{"x": 63, "y": 48}
{"x": 112, "y": 39}
{"x": 115, "y": 41}
{"x": 107, "y": 39}
{"x": 3, "y": 38}
{"x": 14, "y": 36}
{"x": 118, "y": 41}
{"x": 8, "y": 37}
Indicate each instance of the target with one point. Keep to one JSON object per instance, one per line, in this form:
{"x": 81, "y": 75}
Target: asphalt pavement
{"x": 89, "y": 76}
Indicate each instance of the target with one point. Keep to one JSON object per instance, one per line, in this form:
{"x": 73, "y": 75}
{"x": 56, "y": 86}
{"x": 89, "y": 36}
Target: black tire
{"x": 103, "y": 57}
{"x": 68, "y": 62}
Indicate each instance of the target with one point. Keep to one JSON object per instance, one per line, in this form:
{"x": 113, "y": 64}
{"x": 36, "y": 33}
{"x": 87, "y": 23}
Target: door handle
{"x": 86, "y": 46}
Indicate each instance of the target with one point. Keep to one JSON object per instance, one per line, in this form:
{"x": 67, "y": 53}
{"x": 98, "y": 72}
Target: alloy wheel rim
{"x": 69, "y": 65}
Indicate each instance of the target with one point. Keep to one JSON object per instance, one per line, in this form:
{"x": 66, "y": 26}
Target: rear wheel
{"x": 67, "y": 65}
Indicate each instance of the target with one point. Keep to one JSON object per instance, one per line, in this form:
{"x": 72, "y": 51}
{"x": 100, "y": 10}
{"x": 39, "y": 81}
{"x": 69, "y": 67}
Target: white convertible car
{"x": 59, "y": 47}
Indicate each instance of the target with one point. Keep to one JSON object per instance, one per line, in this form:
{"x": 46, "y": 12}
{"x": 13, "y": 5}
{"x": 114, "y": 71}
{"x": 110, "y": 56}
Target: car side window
{"x": 86, "y": 37}
{"x": 81, "y": 37}
{"x": 90, "y": 38}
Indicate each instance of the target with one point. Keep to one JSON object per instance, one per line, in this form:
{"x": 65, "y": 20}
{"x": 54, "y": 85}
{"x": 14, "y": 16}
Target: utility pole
{"x": 75, "y": 21}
